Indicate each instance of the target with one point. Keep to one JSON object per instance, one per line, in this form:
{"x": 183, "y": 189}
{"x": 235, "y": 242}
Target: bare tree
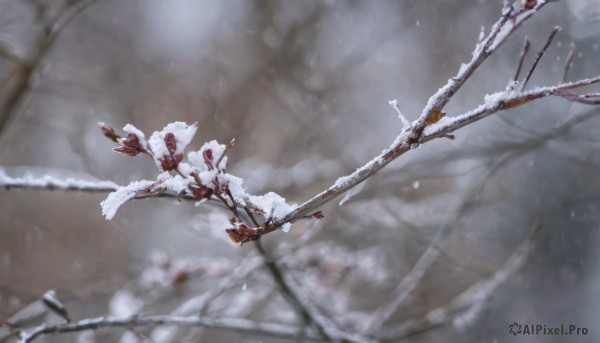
{"x": 288, "y": 273}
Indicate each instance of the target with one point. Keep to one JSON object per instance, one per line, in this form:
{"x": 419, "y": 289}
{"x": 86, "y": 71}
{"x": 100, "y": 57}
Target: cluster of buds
{"x": 202, "y": 176}
{"x": 130, "y": 145}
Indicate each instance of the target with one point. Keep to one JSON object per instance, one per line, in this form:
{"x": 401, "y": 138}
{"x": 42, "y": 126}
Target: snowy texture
{"x": 201, "y": 177}
{"x": 130, "y": 129}
{"x": 53, "y": 182}
{"x": 272, "y": 206}
{"x": 121, "y": 196}
{"x": 174, "y": 183}
{"x": 182, "y": 135}
{"x": 394, "y": 104}
{"x": 209, "y": 154}
{"x": 444, "y": 121}
{"x": 124, "y": 304}
{"x": 234, "y": 184}
{"x": 342, "y": 181}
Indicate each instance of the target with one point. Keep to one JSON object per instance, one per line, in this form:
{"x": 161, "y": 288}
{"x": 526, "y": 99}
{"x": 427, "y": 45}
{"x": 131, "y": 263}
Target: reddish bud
{"x": 169, "y": 163}
{"x": 201, "y": 192}
{"x": 129, "y": 146}
{"x": 108, "y": 131}
{"x": 180, "y": 277}
{"x": 318, "y": 215}
{"x": 170, "y": 142}
{"x": 242, "y": 234}
{"x": 208, "y": 158}
{"x": 529, "y": 4}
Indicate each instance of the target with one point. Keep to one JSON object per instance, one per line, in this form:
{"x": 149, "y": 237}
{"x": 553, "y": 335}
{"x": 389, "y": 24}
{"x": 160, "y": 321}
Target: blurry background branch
{"x": 16, "y": 85}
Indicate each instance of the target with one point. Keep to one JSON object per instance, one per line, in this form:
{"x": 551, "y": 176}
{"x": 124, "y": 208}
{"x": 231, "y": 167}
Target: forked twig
{"x": 539, "y": 55}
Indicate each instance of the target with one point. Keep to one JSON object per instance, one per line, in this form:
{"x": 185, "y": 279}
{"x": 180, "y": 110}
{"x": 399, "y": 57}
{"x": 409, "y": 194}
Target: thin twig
{"x": 522, "y": 55}
{"x": 229, "y": 324}
{"x": 307, "y": 309}
{"x": 539, "y": 55}
{"x": 467, "y": 306}
{"x": 25, "y": 68}
{"x": 411, "y": 138}
{"x": 568, "y": 63}
{"x": 404, "y": 143}
{"x": 401, "y": 293}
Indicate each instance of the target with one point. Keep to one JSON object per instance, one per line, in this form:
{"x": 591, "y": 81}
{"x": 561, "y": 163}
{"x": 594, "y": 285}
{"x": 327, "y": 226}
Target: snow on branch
{"x": 434, "y": 123}
{"x": 50, "y": 182}
{"x": 202, "y": 176}
{"x": 229, "y": 324}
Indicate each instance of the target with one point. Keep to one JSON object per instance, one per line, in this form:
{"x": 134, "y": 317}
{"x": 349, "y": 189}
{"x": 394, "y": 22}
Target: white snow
{"x": 349, "y": 194}
{"x": 124, "y": 304}
{"x": 183, "y": 133}
{"x": 196, "y": 158}
{"x": 494, "y": 98}
{"x": 416, "y": 184}
{"x": 394, "y": 104}
{"x": 115, "y": 199}
{"x": 235, "y": 185}
{"x": 272, "y": 205}
{"x": 134, "y": 130}
{"x": 176, "y": 183}
{"x": 50, "y": 181}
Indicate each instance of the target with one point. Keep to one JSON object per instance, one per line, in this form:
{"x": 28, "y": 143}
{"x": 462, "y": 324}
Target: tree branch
{"x": 25, "y": 67}
{"x": 464, "y": 308}
{"x": 307, "y": 309}
{"x": 230, "y": 324}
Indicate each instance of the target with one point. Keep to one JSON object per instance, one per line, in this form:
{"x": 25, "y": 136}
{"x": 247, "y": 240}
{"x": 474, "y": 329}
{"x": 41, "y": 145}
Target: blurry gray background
{"x": 303, "y": 86}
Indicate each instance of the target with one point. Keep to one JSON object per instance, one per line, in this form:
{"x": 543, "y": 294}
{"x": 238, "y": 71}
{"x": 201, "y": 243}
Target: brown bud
{"x": 435, "y": 116}
{"x": 108, "y": 131}
{"x": 318, "y": 215}
{"x": 231, "y": 143}
{"x": 242, "y": 234}
{"x": 180, "y": 277}
{"x": 201, "y": 191}
{"x": 170, "y": 142}
{"x": 169, "y": 163}
{"x": 208, "y": 158}
{"x": 529, "y": 4}
{"x": 129, "y": 146}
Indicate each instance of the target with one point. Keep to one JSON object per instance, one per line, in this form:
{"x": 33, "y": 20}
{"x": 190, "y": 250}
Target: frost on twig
{"x": 50, "y": 182}
{"x": 405, "y": 122}
{"x": 202, "y": 176}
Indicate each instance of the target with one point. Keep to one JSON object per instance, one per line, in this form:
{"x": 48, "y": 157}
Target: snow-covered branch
{"x": 434, "y": 123}
{"x": 230, "y": 324}
{"x": 50, "y": 182}
{"x": 203, "y": 176}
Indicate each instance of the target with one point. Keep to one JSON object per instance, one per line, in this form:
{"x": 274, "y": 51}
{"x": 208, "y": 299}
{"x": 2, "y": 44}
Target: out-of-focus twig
{"x": 227, "y": 324}
{"x": 568, "y": 63}
{"x": 522, "y": 55}
{"x": 539, "y": 55}
{"x": 18, "y": 84}
{"x": 401, "y": 293}
{"x": 467, "y": 306}
{"x": 307, "y": 309}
